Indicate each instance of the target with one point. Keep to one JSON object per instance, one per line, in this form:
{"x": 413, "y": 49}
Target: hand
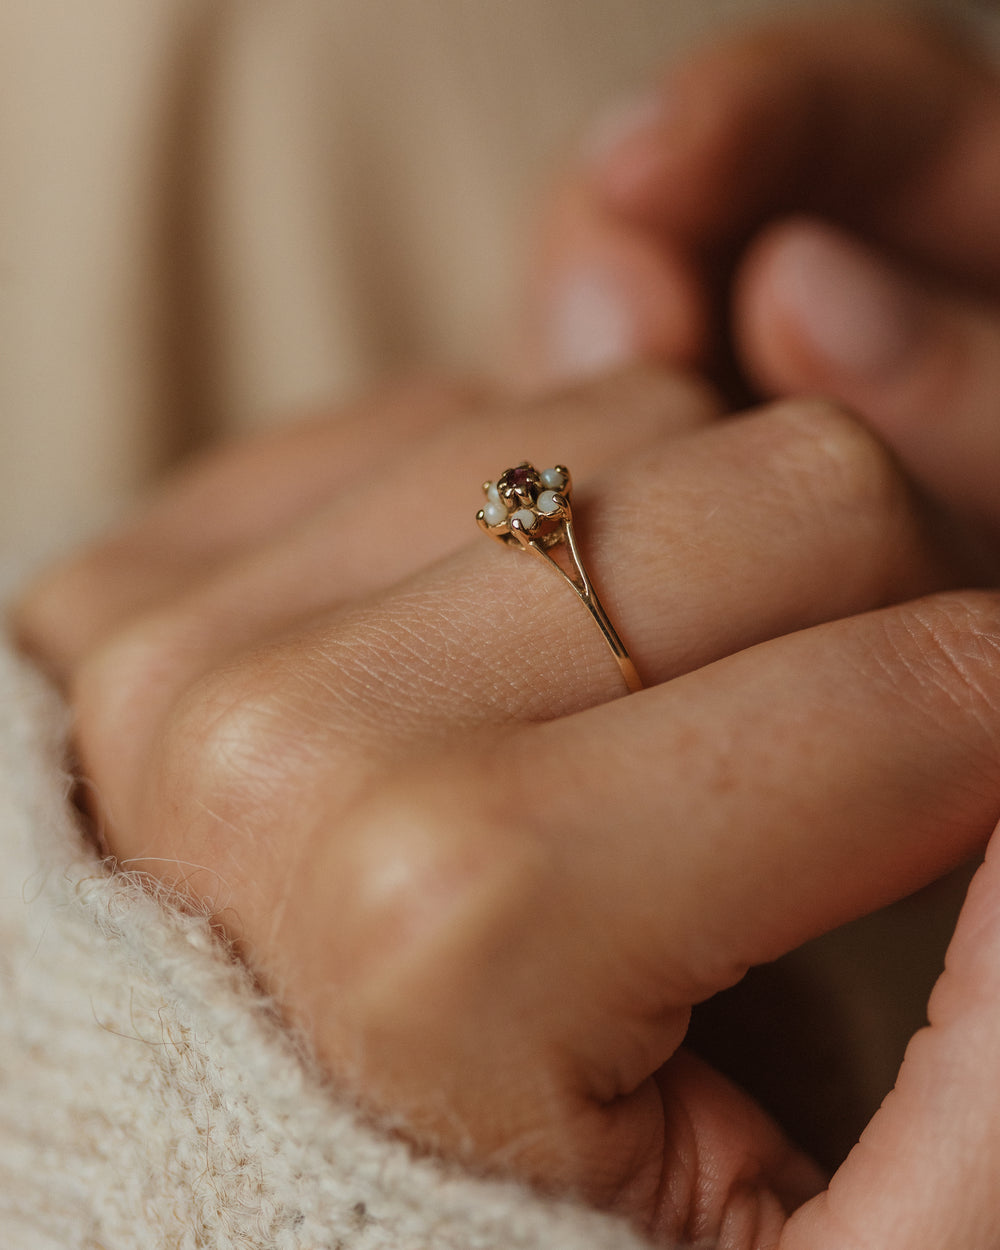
{"x": 385, "y": 760}
{"x": 817, "y": 202}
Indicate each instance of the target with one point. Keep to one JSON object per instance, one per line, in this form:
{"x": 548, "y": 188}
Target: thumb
{"x": 926, "y": 1173}
{"x": 816, "y": 310}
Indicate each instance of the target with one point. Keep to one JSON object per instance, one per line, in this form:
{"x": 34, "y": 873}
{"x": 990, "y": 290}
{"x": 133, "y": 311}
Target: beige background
{"x": 216, "y": 213}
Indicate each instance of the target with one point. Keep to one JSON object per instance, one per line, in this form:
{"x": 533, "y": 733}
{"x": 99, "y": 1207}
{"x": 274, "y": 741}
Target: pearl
{"x": 525, "y": 518}
{"x": 494, "y": 513}
{"x": 493, "y": 495}
{"x": 548, "y": 502}
{"x": 554, "y": 479}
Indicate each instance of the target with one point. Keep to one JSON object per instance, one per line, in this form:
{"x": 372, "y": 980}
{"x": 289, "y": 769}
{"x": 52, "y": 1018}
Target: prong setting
{"x": 527, "y": 507}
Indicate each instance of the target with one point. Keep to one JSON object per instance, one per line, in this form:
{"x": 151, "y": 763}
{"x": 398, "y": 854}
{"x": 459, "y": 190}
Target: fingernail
{"x": 852, "y": 308}
{"x": 589, "y": 327}
{"x": 621, "y": 123}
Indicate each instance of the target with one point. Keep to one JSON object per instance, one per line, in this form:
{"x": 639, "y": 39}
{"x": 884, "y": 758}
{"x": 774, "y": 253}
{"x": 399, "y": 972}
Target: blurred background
{"x": 221, "y": 213}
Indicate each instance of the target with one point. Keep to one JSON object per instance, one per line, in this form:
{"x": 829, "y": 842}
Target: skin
{"x": 408, "y": 863}
{"x": 775, "y": 190}
{"x": 845, "y": 162}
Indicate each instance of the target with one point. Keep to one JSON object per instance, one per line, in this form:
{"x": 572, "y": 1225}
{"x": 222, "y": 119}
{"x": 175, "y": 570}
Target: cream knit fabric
{"x": 148, "y": 1100}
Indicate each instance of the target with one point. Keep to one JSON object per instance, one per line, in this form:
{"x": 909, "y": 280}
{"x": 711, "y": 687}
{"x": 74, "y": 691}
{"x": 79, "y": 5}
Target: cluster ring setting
{"x": 531, "y": 510}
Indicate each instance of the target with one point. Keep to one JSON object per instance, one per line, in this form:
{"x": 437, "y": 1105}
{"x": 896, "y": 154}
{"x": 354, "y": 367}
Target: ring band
{"x": 532, "y": 510}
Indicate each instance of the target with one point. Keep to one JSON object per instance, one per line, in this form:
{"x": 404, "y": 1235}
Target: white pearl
{"x": 493, "y": 495}
{"x": 548, "y": 502}
{"x": 525, "y": 518}
{"x": 554, "y": 479}
{"x": 494, "y": 513}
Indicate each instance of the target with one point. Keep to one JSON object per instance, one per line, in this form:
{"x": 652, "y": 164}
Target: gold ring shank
{"x": 583, "y": 588}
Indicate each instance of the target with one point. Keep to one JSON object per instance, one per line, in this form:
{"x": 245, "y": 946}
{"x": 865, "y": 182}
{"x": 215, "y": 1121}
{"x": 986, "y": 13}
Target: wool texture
{"x": 149, "y": 1099}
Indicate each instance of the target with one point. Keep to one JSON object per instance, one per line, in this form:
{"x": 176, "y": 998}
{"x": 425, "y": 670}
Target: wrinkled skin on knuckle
{"x": 950, "y": 643}
{"x": 237, "y": 780}
{"x": 204, "y": 782}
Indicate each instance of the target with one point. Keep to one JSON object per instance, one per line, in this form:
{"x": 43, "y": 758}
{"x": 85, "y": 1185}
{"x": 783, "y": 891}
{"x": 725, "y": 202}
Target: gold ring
{"x": 532, "y": 510}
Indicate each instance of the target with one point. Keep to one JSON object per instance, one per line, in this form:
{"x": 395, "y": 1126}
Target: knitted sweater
{"x": 149, "y": 1099}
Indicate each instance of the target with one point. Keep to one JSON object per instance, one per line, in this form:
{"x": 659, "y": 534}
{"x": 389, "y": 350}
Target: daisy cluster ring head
{"x": 526, "y": 506}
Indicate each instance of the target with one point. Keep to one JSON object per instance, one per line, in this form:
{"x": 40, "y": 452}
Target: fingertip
{"x": 630, "y": 154}
{"x": 817, "y": 310}
{"x": 740, "y": 125}
{"x": 633, "y": 122}
{"x": 744, "y": 1176}
{"x": 630, "y": 304}
{"x": 814, "y": 308}
{"x": 722, "y": 139}
{"x": 604, "y": 295}
{"x": 646, "y": 161}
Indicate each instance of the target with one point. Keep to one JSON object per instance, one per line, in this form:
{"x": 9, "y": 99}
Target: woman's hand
{"x": 392, "y": 765}
{"x": 816, "y": 203}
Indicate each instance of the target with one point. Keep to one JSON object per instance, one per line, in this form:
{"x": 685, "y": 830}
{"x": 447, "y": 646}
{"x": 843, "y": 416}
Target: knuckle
{"x": 72, "y": 608}
{"x": 231, "y": 764}
{"x": 45, "y": 620}
{"x": 951, "y": 643}
{"x": 832, "y": 456}
{"x": 205, "y": 767}
{"x": 218, "y": 736}
{"x": 433, "y": 891}
{"x": 658, "y": 398}
{"x": 406, "y": 965}
{"x": 115, "y": 693}
{"x": 119, "y": 695}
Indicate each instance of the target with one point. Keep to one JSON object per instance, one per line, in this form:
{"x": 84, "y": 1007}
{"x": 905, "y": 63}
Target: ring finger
{"x": 281, "y": 526}
{"x": 700, "y": 547}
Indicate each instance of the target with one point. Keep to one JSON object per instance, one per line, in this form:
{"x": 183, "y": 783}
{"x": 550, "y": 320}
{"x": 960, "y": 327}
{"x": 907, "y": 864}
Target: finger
{"x": 884, "y": 122}
{"x": 362, "y": 541}
{"x": 701, "y": 546}
{"x": 436, "y": 943}
{"x": 845, "y": 766}
{"x": 339, "y": 533}
{"x": 602, "y": 292}
{"x": 819, "y": 311}
{"x": 223, "y": 503}
{"x": 924, "y": 1176}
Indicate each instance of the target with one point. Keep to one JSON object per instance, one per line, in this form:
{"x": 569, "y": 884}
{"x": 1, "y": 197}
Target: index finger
{"x": 890, "y": 124}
